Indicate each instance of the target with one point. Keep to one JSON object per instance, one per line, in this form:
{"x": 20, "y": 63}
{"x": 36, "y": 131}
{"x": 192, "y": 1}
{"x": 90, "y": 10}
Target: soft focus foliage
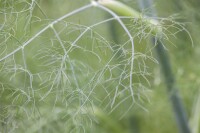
{"x": 73, "y": 76}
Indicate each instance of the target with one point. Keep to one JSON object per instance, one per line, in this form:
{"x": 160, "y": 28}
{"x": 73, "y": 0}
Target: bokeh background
{"x": 89, "y": 91}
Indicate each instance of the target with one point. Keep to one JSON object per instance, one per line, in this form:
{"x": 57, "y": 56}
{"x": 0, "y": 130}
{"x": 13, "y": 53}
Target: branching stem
{"x": 45, "y": 28}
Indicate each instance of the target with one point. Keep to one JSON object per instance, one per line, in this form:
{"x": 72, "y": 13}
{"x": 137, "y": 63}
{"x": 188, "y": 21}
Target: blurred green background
{"x": 87, "y": 90}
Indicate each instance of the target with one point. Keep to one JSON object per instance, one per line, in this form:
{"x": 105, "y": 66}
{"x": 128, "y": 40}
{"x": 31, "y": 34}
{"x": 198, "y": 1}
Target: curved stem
{"x": 131, "y": 39}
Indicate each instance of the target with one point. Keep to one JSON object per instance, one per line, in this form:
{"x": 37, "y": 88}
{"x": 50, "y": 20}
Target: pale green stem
{"x": 124, "y": 10}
